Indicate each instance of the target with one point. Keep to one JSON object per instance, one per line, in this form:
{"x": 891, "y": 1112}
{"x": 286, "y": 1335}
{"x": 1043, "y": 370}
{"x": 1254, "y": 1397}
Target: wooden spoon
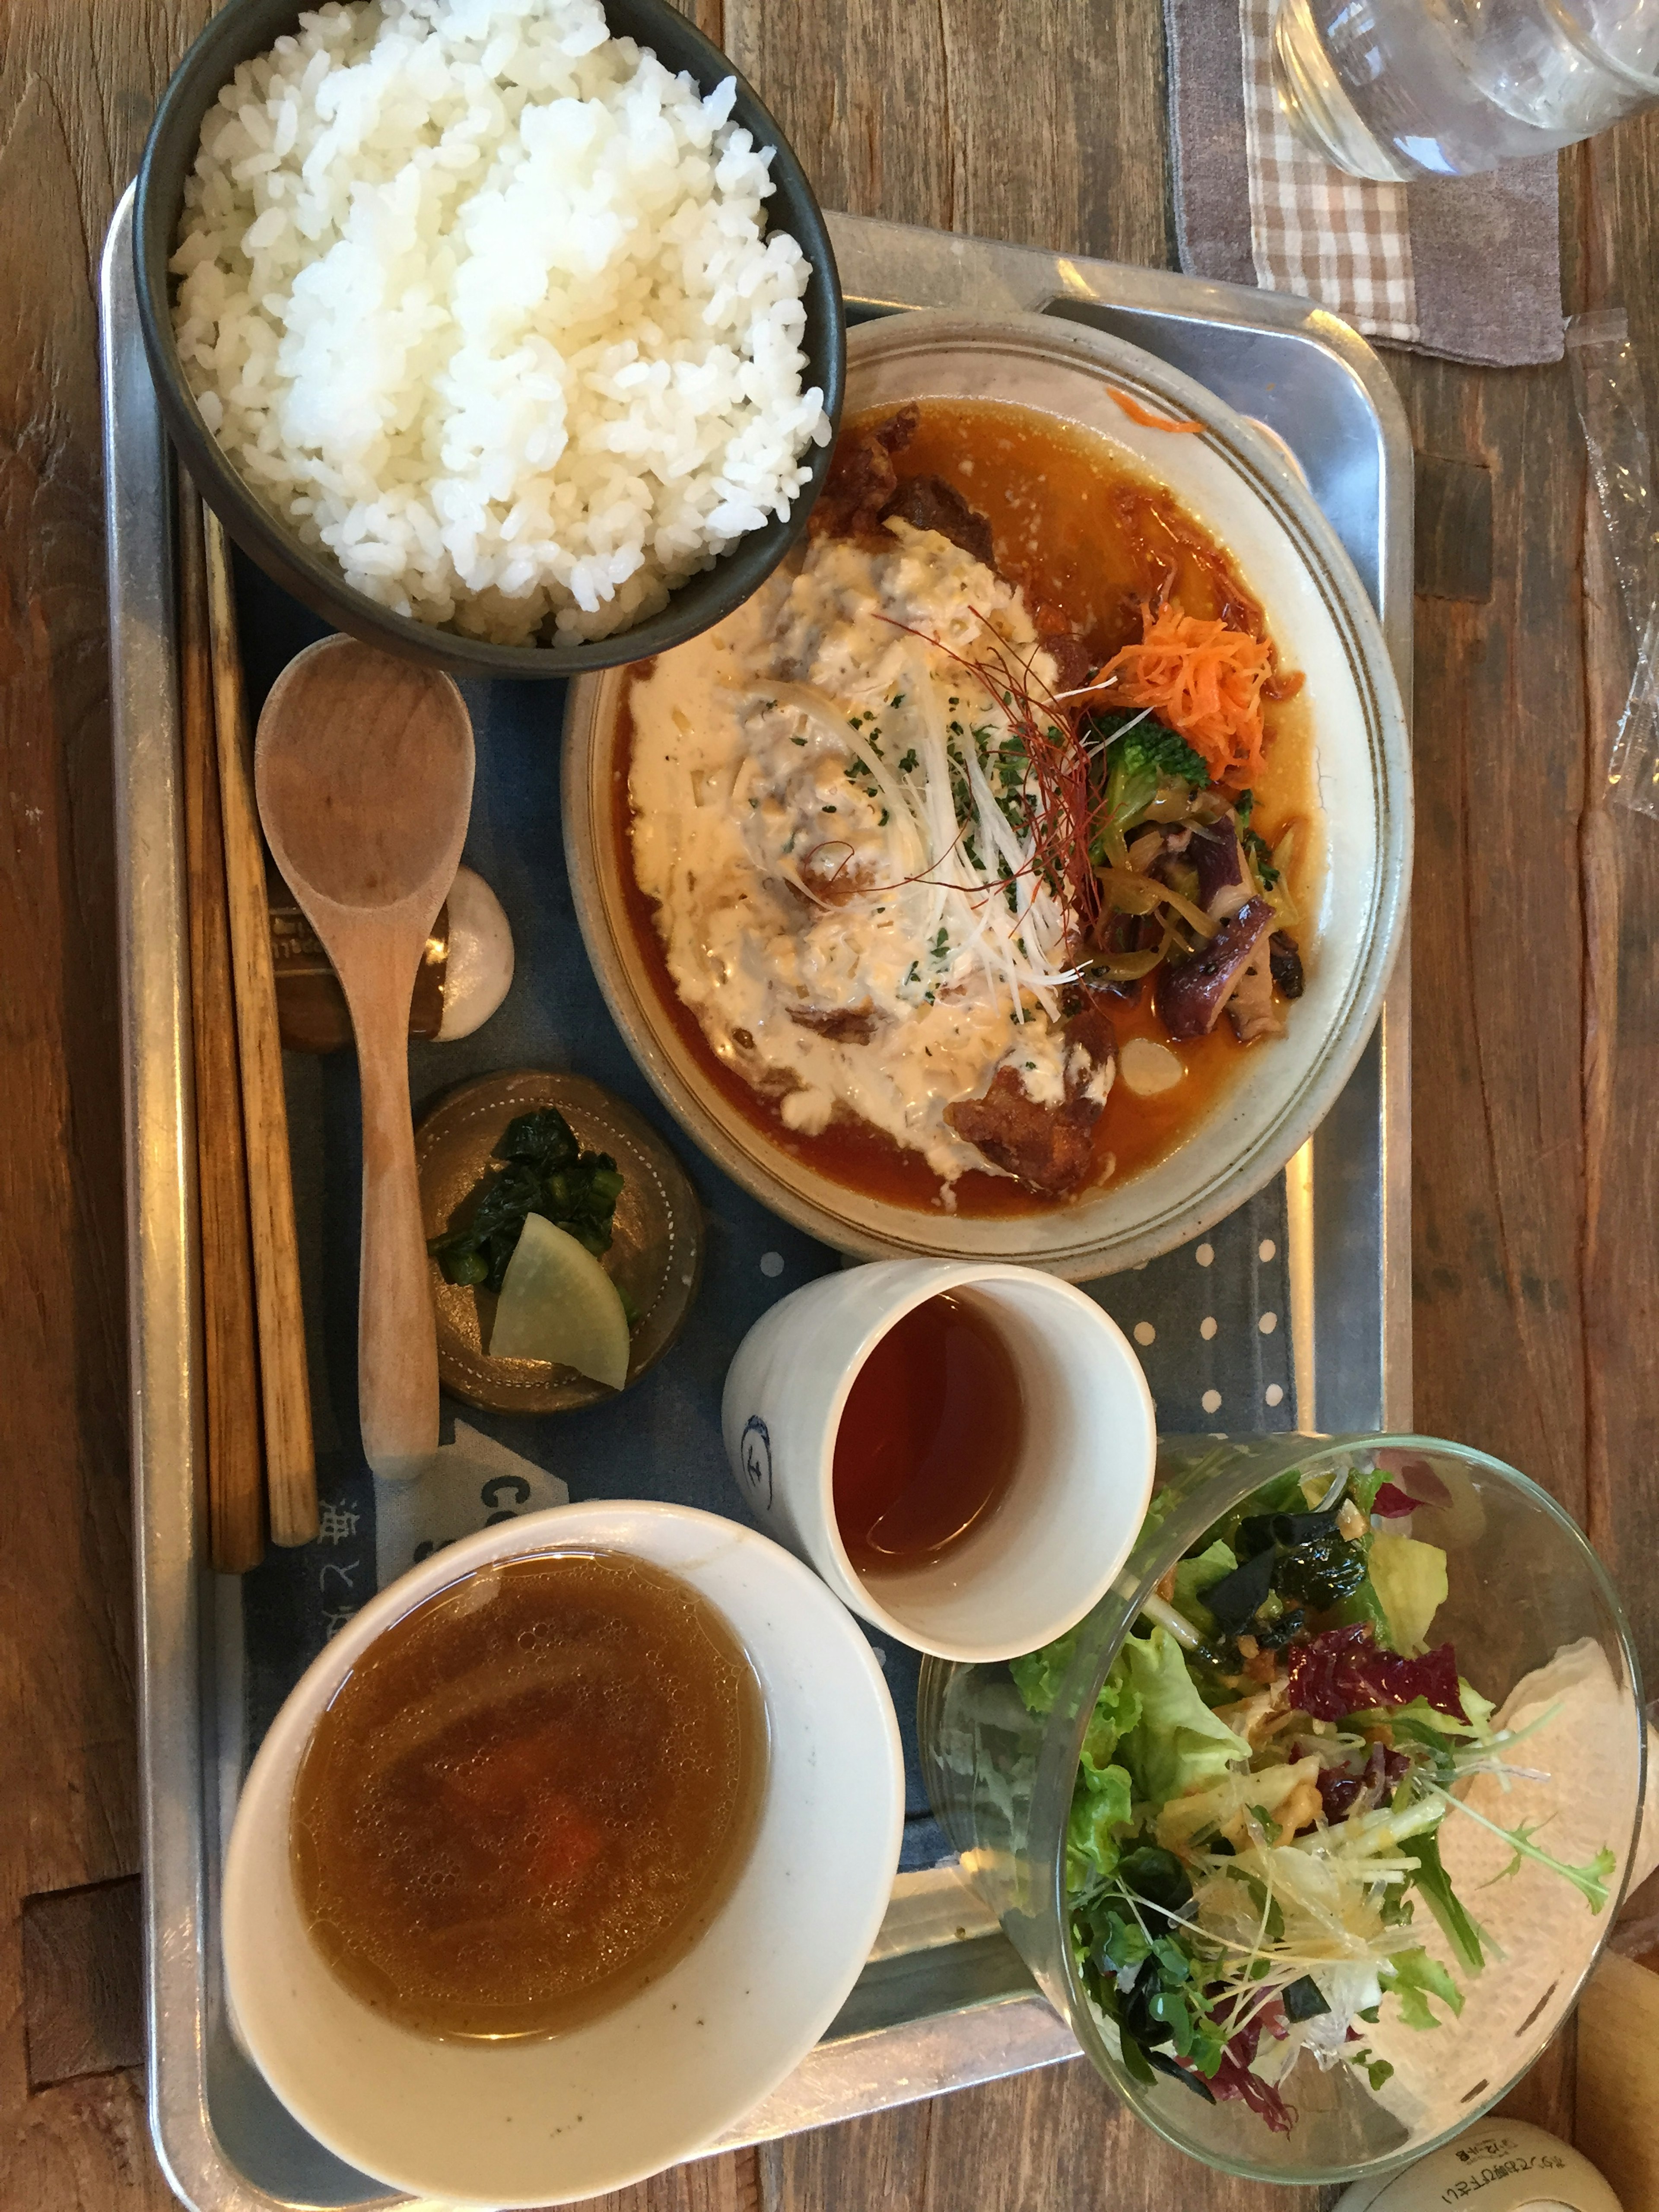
{"x": 363, "y": 766}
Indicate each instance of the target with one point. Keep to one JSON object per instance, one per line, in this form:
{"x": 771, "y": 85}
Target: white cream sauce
{"x": 793, "y": 818}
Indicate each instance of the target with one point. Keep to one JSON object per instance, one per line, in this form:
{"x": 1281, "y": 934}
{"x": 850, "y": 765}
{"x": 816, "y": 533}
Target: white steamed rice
{"x": 477, "y": 297}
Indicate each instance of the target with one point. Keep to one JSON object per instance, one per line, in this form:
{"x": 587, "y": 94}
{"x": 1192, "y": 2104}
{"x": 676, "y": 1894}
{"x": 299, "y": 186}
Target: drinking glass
{"x": 1395, "y": 89}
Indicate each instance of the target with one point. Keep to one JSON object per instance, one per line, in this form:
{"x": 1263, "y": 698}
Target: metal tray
{"x": 944, "y": 2001}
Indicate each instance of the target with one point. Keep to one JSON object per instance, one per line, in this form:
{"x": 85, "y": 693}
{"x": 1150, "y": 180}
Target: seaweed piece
{"x": 543, "y": 1170}
{"x": 1234, "y": 1598}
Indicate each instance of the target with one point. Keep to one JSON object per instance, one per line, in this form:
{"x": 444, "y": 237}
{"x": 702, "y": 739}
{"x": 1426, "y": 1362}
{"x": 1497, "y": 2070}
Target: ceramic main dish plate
{"x": 1238, "y": 484}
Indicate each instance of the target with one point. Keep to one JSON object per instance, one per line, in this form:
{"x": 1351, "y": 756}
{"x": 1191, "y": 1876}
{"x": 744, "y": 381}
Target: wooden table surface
{"x": 1535, "y": 997}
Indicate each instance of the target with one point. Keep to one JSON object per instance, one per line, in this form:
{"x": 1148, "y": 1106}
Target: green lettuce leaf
{"x": 1100, "y": 1818}
{"x": 1419, "y": 1714}
{"x": 1038, "y": 1674}
{"x": 1479, "y": 1708}
{"x": 1176, "y": 1740}
{"x": 1162, "y": 1504}
{"x": 1415, "y": 1978}
{"x": 1363, "y": 1485}
{"x": 1283, "y": 1494}
{"x": 1100, "y": 1802}
{"x": 1410, "y": 1579}
{"x": 1117, "y": 1710}
{"x": 1038, "y": 1677}
{"x": 1363, "y": 1604}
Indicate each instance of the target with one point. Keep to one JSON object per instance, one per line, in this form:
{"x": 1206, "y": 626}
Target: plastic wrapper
{"x": 1608, "y": 387}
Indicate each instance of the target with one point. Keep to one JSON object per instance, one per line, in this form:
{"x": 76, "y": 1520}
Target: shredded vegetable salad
{"x": 1253, "y": 1833}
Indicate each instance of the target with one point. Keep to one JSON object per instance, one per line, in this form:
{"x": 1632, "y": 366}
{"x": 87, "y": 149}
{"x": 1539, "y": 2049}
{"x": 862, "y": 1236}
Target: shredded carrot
{"x": 1136, "y": 413}
{"x": 1202, "y": 680}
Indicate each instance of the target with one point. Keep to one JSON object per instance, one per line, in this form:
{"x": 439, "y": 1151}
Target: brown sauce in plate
{"x": 530, "y": 1796}
{"x": 1083, "y": 534}
{"x": 1072, "y": 525}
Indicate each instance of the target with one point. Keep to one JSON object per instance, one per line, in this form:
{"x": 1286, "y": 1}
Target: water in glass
{"x": 1396, "y": 89}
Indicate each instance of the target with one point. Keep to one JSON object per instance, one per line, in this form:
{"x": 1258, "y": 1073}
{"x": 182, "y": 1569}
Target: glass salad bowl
{"x": 1314, "y": 1828}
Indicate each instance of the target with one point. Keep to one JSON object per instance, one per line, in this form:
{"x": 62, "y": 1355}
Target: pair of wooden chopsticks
{"x": 258, "y": 1400}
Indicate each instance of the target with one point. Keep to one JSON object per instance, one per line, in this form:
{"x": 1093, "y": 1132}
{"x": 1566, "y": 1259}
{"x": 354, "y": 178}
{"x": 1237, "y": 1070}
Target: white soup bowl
{"x": 552, "y": 2120}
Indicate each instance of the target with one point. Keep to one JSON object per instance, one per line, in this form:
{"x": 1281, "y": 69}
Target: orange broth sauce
{"x": 1081, "y": 531}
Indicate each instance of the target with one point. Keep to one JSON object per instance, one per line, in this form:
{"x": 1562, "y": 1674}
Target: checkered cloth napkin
{"x": 1469, "y": 267}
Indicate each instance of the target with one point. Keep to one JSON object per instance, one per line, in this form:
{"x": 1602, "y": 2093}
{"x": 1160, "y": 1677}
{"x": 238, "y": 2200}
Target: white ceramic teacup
{"x": 551, "y": 2120}
{"x": 1048, "y": 1552}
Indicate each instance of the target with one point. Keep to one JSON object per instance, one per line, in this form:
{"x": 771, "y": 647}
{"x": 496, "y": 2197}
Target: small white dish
{"x": 555, "y": 2120}
{"x": 1046, "y": 1555}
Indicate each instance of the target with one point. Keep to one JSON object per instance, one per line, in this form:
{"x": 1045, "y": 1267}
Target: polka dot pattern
{"x": 1209, "y": 1324}
{"x": 771, "y": 1264}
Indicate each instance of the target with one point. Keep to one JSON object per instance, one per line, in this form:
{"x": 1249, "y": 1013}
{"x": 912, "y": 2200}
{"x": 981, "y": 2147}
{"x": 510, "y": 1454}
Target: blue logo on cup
{"x": 755, "y": 1450}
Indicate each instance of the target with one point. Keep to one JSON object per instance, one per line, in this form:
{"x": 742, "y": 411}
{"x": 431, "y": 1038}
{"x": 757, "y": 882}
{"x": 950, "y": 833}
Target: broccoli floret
{"x": 1138, "y": 754}
{"x": 1151, "y": 750}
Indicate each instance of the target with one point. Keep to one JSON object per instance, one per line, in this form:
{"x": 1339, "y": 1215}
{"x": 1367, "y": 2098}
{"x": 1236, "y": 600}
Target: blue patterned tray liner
{"x": 1211, "y": 1321}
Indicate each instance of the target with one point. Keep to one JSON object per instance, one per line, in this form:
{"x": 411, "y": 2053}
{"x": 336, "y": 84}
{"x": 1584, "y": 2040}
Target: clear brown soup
{"x": 1082, "y": 533}
{"x": 531, "y": 1796}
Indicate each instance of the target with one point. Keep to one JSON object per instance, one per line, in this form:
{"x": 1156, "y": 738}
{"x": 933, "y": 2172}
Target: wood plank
{"x": 1057, "y": 2137}
{"x": 88, "y": 2150}
{"x": 1453, "y": 546}
{"x": 1041, "y": 126}
{"x": 77, "y": 81}
{"x": 1498, "y": 1189}
{"x": 876, "y": 2164}
{"x": 1610, "y": 201}
{"x": 83, "y": 2009}
{"x": 730, "y": 2182}
{"x": 1617, "y": 198}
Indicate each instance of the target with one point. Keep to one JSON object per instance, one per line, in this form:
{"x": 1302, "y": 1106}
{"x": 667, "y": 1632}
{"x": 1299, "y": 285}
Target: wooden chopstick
{"x": 235, "y": 1469}
{"x": 290, "y": 1457}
